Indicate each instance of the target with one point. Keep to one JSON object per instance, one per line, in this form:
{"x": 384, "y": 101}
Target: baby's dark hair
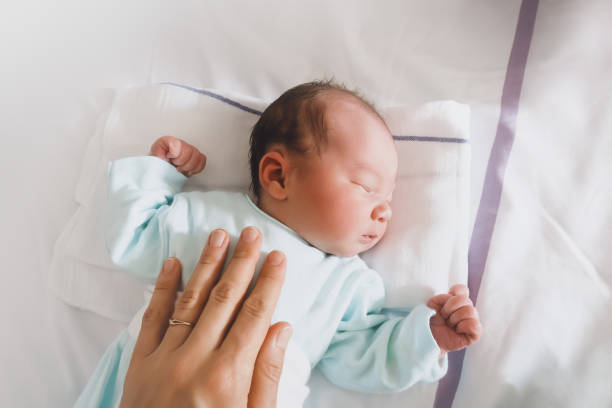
{"x": 290, "y": 118}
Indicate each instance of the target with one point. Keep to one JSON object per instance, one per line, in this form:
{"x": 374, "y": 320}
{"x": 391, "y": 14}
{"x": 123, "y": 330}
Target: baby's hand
{"x": 185, "y": 157}
{"x": 456, "y": 324}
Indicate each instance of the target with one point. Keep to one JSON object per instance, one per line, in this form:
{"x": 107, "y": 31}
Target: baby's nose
{"x": 382, "y": 212}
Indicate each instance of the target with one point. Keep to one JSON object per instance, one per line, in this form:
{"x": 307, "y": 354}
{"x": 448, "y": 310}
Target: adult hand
{"x": 229, "y": 356}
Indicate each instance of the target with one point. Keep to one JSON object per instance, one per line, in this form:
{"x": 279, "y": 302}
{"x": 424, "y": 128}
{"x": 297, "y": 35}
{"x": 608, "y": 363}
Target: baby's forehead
{"x": 335, "y": 100}
{"x": 354, "y": 127}
{"x": 340, "y": 108}
{"x": 343, "y": 108}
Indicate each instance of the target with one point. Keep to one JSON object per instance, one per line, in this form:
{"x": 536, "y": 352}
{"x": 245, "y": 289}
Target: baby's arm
{"x": 143, "y": 201}
{"x": 372, "y": 352}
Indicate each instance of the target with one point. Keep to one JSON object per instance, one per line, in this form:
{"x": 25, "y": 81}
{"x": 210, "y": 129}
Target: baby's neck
{"x": 274, "y": 209}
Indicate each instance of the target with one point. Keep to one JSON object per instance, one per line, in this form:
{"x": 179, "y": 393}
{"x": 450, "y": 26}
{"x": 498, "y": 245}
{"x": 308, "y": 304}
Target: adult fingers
{"x": 454, "y": 303}
{"x": 465, "y": 312}
{"x": 227, "y": 294}
{"x": 155, "y": 318}
{"x": 246, "y": 335}
{"x": 438, "y": 301}
{"x": 197, "y": 290}
{"x": 269, "y": 366}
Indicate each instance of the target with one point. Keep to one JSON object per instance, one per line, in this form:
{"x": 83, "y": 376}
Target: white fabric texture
{"x": 423, "y": 252}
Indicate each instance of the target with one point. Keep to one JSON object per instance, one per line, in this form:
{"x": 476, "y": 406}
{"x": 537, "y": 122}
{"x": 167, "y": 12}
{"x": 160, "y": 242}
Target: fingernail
{"x": 168, "y": 265}
{"x": 275, "y": 258}
{"x": 216, "y": 238}
{"x": 249, "y": 234}
{"x": 282, "y": 338}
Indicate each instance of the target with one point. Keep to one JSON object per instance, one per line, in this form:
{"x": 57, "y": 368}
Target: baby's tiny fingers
{"x": 175, "y": 147}
{"x": 471, "y": 328}
{"x": 158, "y": 150}
{"x": 189, "y": 167}
{"x": 201, "y": 164}
{"x": 465, "y": 312}
{"x": 186, "y": 153}
{"x": 454, "y": 303}
{"x": 438, "y": 301}
{"x": 459, "y": 290}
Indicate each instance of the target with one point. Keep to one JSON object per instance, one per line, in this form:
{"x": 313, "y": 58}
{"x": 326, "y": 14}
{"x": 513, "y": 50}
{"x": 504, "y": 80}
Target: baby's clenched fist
{"x": 186, "y": 158}
{"x": 456, "y": 323}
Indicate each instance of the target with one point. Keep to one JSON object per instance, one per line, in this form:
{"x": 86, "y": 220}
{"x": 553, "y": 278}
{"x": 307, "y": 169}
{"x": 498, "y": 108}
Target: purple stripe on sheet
{"x": 493, "y": 183}
{"x": 216, "y": 96}
{"x": 431, "y": 139}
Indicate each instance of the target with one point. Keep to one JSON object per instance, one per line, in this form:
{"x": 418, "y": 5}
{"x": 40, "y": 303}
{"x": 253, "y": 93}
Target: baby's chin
{"x": 342, "y": 252}
{"x": 347, "y": 252}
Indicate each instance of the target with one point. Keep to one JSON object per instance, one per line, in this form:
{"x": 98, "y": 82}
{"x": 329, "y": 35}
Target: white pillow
{"x": 423, "y": 252}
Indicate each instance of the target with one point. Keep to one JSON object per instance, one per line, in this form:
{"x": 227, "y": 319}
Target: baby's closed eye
{"x": 364, "y": 187}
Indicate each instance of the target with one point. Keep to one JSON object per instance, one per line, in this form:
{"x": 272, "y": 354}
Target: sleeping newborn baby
{"x": 323, "y": 168}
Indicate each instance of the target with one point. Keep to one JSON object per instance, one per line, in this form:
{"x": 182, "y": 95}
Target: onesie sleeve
{"x": 371, "y": 352}
{"x": 142, "y": 194}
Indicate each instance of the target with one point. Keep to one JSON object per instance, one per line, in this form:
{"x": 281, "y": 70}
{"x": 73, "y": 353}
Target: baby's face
{"x": 340, "y": 198}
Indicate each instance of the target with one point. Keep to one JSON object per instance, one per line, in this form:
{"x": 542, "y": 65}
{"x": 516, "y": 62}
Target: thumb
{"x": 166, "y": 147}
{"x": 269, "y": 366}
{"x": 174, "y": 148}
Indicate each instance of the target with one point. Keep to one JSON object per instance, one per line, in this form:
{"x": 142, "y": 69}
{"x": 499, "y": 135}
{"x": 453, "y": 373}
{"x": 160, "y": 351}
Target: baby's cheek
{"x": 384, "y": 231}
{"x": 348, "y": 218}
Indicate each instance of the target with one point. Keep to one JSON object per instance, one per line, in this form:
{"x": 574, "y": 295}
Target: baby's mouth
{"x": 367, "y": 238}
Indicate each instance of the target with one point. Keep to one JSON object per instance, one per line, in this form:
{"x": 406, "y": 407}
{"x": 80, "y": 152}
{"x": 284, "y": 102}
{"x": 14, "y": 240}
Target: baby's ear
{"x": 272, "y": 174}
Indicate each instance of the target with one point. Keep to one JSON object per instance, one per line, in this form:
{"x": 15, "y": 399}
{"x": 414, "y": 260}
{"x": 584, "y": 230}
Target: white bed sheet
{"x": 545, "y": 293}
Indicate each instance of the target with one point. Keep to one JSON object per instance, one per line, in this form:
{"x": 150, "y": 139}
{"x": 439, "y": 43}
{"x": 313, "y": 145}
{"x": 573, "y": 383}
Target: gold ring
{"x": 173, "y": 322}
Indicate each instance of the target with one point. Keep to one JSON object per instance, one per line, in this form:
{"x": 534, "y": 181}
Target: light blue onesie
{"x": 334, "y": 304}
